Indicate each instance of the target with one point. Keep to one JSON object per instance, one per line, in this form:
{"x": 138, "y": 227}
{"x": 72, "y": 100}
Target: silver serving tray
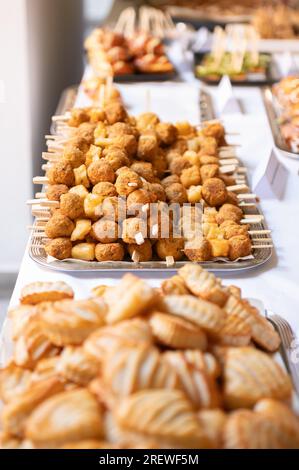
{"x": 273, "y": 113}
{"x": 38, "y": 254}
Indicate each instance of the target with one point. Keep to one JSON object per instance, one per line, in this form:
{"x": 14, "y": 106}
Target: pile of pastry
{"x": 110, "y": 52}
{"x": 120, "y": 187}
{"x": 287, "y": 94}
{"x": 188, "y": 365}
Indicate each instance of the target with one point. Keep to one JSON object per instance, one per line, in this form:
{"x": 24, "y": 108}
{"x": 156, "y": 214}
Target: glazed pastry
{"x": 206, "y": 315}
{"x": 203, "y": 284}
{"x": 174, "y": 286}
{"x": 199, "y": 386}
{"x": 169, "y": 415}
{"x": 234, "y": 332}
{"x": 176, "y": 332}
{"x": 213, "y": 421}
{"x": 76, "y": 366}
{"x": 250, "y": 375}
{"x": 69, "y": 322}
{"x": 71, "y": 416}
{"x": 45, "y": 291}
{"x": 14, "y": 381}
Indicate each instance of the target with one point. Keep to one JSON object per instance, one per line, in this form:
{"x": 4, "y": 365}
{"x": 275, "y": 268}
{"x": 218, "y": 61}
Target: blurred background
{"x": 40, "y": 56}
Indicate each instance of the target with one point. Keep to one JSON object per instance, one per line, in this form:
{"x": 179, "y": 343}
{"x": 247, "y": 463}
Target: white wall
{"x": 40, "y": 54}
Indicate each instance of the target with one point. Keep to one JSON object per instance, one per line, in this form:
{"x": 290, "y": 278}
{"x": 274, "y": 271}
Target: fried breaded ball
{"x": 167, "y": 133}
{"x": 230, "y": 229}
{"x": 78, "y": 116}
{"x": 72, "y": 205}
{"x": 190, "y": 177}
{"x": 141, "y": 253}
{"x": 159, "y": 163}
{"x": 125, "y": 142}
{"x": 115, "y": 112}
{"x": 209, "y": 171}
{"x": 160, "y": 221}
{"x": 100, "y": 172}
{"x": 170, "y": 180}
{"x": 59, "y": 248}
{"x": 147, "y": 147}
{"x": 229, "y": 212}
{"x": 61, "y": 173}
{"x": 116, "y": 158}
{"x": 80, "y": 143}
{"x": 120, "y": 128}
{"x": 180, "y": 146}
{"x": 198, "y": 250}
{"x": 146, "y": 121}
{"x": 86, "y": 131}
{"x": 114, "y": 208}
{"x": 170, "y": 247}
{"x": 105, "y": 231}
{"x": 214, "y": 192}
{"x": 96, "y": 115}
{"x": 54, "y": 191}
{"x": 144, "y": 169}
{"x": 157, "y": 192}
{"x": 208, "y": 146}
{"x": 232, "y": 198}
{"x": 127, "y": 182}
{"x": 59, "y": 226}
{"x": 176, "y": 193}
{"x": 104, "y": 189}
{"x": 109, "y": 252}
{"x": 131, "y": 227}
{"x": 215, "y": 130}
{"x": 73, "y": 155}
{"x": 137, "y": 199}
{"x": 239, "y": 246}
{"x": 177, "y": 165}
{"x": 171, "y": 155}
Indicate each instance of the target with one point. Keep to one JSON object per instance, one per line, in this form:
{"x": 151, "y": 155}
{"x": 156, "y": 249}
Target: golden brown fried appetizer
{"x": 209, "y": 171}
{"x": 121, "y": 128}
{"x": 178, "y": 164}
{"x": 100, "y": 172}
{"x": 190, "y": 177}
{"x": 239, "y": 246}
{"x": 176, "y": 193}
{"x": 59, "y": 226}
{"x": 105, "y": 231}
{"x": 170, "y": 180}
{"x": 82, "y": 229}
{"x": 132, "y": 229}
{"x": 147, "y": 147}
{"x": 127, "y": 181}
{"x": 137, "y": 199}
{"x": 214, "y": 192}
{"x": 157, "y": 192}
{"x": 86, "y": 131}
{"x": 117, "y": 158}
{"x": 78, "y": 116}
{"x": 38, "y": 292}
{"x": 229, "y": 212}
{"x": 166, "y": 132}
{"x": 145, "y": 170}
{"x": 104, "y": 189}
{"x": 84, "y": 251}
{"x": 232, "y": 198}
{"x": 215, "y": 130}
{"x": 59, "y": 248}
{"x": 115, "y": 112}
{"x": 73, "y": 155}
{"x": 174, "y": 286}
{"x": 54, "y": 191}
{"x": 147, "y": 121}
{"x": 61, "y": 173}
{"x": 170, "y": 247}
{"x": 109, "y": 252}
{"x": 230, "y": 229}
{"x": 141, "y": 253}
{"x": 71, "y": 205}
{"x": 208, "y": 160}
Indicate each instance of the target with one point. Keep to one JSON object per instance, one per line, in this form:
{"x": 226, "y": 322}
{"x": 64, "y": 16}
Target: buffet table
{"x": 275, "y": 283}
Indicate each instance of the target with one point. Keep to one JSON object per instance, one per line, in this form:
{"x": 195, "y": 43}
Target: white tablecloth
{"x": 276, "y": 284}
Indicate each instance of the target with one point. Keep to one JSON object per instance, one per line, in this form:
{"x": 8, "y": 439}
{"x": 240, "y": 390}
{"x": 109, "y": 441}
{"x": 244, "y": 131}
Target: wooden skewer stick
{"x": 259, "y": 232}
{"x": 262, "y": 240}
{"x": 135, "y": 257}
{"x": 51, "y": 156}
{"x": 238, "y": 187}
{"x": 229, "y": 161}
{"x": 155, "y": 230}
{"x": 246, "y": 196}
{"x": 247, "y": 204}
{"x": 132, "y": 185}
{"x": 228, "y": 154}
{"x": 227, "y": 169}
{"x": 42, "y": 202}
{"x": 242, "y": 170}
{"x": 229, "y": 146}
{"x": 40, "y": 195}
{"x": 251, "y": 221}
{"x": 169, "y": 261}
{"x": 63, "y": 117}
{"x": 139, "y": 238}
{"x": 40, "y": 180}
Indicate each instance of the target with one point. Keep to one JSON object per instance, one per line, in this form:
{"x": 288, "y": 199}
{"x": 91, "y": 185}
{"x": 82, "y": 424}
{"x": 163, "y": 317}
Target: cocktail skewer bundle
{"x": 119, "y": 187}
